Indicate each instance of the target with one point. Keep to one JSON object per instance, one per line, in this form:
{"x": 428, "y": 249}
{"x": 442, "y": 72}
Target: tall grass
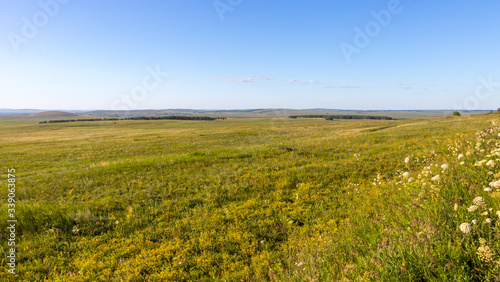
{"x": 248, "y": 200}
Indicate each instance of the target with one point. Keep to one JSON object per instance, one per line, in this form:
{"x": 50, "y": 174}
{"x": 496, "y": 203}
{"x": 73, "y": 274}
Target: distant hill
{"x": 4, "y": 111}
{"x": 54, "y": 114}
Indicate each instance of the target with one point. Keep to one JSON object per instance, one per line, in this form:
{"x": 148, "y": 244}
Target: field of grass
{"x": 253, "y": 200}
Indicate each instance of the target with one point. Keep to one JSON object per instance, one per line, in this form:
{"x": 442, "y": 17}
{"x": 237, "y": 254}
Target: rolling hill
{"x": 54, "y": 114}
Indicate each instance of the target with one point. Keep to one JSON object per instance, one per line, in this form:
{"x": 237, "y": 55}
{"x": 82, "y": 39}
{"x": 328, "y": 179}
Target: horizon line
{"x": 242, "y": 109}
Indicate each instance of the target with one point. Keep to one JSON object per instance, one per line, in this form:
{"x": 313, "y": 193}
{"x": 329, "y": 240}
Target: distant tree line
{"x": 75, "y": 120}
{"x": 332, "y": 117}
{"x": 176, "y": 117}
{"x": 135, "y": 118}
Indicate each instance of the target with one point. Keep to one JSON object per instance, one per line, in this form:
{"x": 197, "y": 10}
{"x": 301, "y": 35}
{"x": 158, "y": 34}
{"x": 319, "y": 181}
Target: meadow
{"x": 269, "y": 199}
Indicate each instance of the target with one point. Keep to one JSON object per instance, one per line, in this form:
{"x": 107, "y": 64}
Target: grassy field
{"x": 283, "y": 113}
{"x": 253, "y": 200}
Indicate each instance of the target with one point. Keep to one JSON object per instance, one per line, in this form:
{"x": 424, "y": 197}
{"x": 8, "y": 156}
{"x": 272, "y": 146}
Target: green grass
{"x": 246, "y": 199}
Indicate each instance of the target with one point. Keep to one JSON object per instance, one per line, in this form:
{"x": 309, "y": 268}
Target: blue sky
{"x": 240, "y": 54}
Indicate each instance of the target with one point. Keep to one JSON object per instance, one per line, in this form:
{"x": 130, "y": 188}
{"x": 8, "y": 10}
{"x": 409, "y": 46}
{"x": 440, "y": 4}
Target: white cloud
{"x": 306, "y": 82}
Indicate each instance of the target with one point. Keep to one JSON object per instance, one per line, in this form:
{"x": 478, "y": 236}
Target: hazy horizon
{"x": 245, "y": 109}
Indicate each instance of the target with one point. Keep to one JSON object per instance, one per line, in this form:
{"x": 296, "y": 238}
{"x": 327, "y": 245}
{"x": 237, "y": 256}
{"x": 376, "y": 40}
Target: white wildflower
{"x": 495, "y": 184}
{"x": 488, "y": 220}
{"x": 490, "y": 163}
{"x": 478, "y": 201}
{"x": 445, "y": 166}
{"x": 436, "y": 178}
{"x": 472, "y": 208}
{"x": 461, "y": 156}
{"x": 406, "y": 174}
{"x": 465, "y": 227}
{"x": 484, "y": 252}
{"x": 411, "y": 179}
{"x": 407, "y": 160}
{"x": 487, "y": 189}
{"x": 474, "y": 221}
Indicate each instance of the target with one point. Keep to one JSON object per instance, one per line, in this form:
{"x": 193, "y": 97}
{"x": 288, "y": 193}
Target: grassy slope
{"x": 245, "y": 199}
